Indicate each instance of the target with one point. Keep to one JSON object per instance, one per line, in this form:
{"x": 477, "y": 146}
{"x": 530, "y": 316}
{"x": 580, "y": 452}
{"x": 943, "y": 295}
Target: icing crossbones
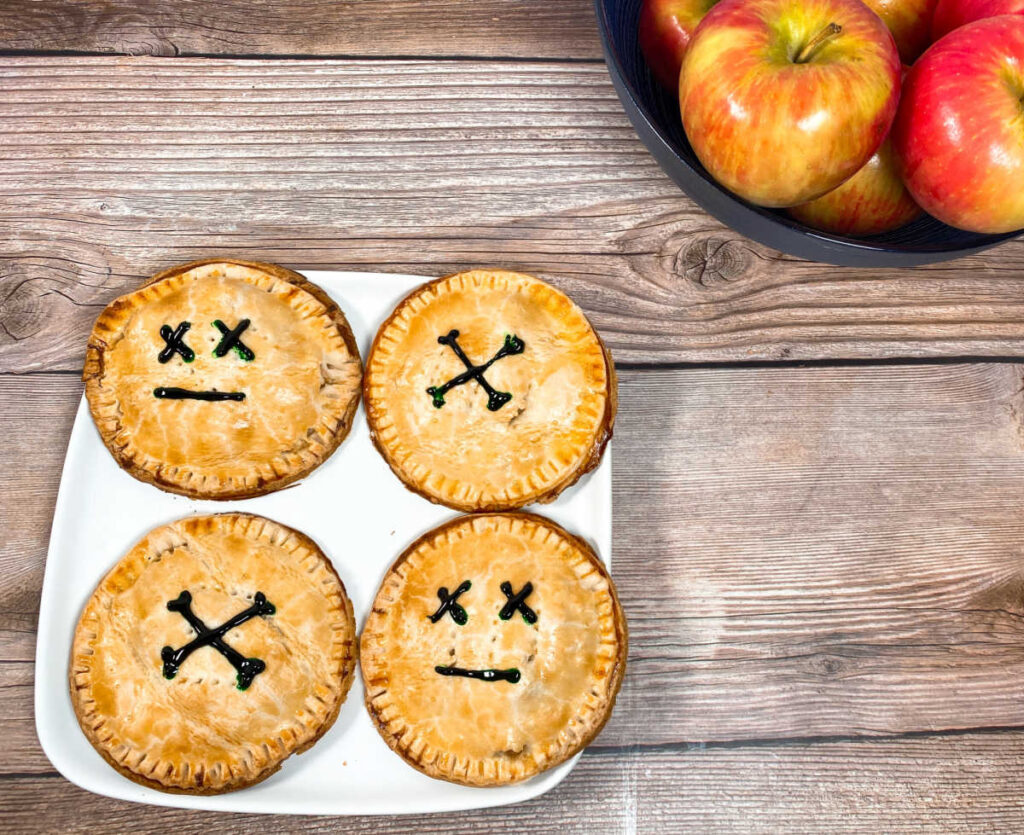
{"x": 495, "y": 399}
{"x": 247, "y": 668}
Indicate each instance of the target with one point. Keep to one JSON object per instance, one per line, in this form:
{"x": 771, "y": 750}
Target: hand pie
{"x": 222, "y": 379}
{"x": 494, "y": 650}
{"x": 217, "y": 647}
{"x": 489, "y": 390}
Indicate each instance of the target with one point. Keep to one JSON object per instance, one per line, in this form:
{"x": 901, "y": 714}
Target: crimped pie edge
{"x": 598, "y": 716}
{"x": 182, "y": 480}
{"x": 588, "y": 462}
{"x": 345, "y": 652}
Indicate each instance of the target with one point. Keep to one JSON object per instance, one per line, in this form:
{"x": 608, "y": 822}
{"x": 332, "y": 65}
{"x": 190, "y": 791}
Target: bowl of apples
{"x": 879, "y": 133}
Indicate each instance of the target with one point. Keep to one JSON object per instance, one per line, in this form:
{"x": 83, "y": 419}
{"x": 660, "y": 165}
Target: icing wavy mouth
{"x": 172, "y": 393}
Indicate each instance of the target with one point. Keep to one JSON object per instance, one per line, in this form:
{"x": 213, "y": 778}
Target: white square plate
{"x": 362, "y": 517}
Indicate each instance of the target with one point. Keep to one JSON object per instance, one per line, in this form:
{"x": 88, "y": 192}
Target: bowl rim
{"x": 757, "y": 223}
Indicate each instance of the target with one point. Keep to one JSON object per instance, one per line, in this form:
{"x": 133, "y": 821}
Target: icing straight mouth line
{"x": 510, "y": 675}
{"x": 172, "y": 393}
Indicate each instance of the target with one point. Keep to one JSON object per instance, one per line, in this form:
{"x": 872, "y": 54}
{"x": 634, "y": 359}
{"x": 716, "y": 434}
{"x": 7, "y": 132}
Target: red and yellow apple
{"x": 910, "y": 24}
{"x": 872, "y": 201}
{"x": 784, "y": 100}
{"x": 952, "y": 14}
{"x": 959, "y": 133}
{"x": 665, "y": 30}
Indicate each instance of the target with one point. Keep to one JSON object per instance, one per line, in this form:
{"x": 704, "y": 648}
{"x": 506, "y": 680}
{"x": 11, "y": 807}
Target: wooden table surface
{"x": 822, "y": 562}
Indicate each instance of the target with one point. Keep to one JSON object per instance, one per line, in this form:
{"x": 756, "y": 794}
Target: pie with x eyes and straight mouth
{"x": 217, "y": 647}
{"x": 222, "y": 379}
{"x": 489, "y": 390}
{"x": 494, "y": 649}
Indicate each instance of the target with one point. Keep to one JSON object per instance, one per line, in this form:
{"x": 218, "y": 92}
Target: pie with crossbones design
{"x": 489, "y": 390}
{"x": 218, "y": 646}
{"x": 222, "y": 379}
{"x": 494, "y": 649}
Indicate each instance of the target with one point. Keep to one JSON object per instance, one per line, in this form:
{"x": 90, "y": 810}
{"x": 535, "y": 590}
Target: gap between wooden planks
{"x": 114, "y": 168}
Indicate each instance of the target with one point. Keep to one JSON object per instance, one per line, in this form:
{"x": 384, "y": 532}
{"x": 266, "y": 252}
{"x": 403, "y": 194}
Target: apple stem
{"x": 817, "y": 42}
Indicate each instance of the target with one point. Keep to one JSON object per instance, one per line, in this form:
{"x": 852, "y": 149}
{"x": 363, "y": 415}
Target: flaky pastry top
{"x": 560, "y": 672}
{"x": 300, "y": 384}
{"x": 553, "y": 377}
{"x": 198, "y": 731}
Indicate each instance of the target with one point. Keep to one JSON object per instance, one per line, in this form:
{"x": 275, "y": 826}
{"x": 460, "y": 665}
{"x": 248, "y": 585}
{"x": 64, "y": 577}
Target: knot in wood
{"x": 710, "y": 260}
{"x": 829, "y": 665}
{"x": 23, "y": 308}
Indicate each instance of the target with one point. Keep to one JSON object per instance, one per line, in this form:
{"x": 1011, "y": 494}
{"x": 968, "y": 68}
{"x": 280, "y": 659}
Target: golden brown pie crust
{"x": 571, "y": 660}
{"x": 463, "y": 455}
{"x": 197, "y": 733}
{"x": 301, "y": 389}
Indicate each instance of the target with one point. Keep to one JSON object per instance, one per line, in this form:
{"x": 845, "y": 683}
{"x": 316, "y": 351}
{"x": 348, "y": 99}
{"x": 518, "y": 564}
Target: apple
{"x": 952, "y": 14}
{"x": 959, "y": 134}
{"x": 910, "y": 23}
{"x": 872, "y": 201}
{"x": 783, "y": 100}
{"x": 665, "y": 30}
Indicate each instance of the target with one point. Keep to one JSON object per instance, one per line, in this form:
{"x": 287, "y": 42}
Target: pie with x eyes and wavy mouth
{"x": 489, "y": 390}
{"x": 494, "y": 650}
{"x": 222, "y": 379}
{"x": 217, "y": 647}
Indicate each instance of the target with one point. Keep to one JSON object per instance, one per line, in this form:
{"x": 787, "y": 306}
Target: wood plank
{"x": 822, "y": 551}
{"x": 965, "y": 783}
{"x": 802, "y": 552}
{"x": 486, "y": 28}
{"x": 115, "y": 168}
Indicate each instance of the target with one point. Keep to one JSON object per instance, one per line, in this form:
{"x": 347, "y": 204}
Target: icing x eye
{"x": 232, "y": 338}
{"x": 449, "y": 604}
{"x": 175, "y": 343}
{"x": 174, "y": 340}
{"x": 516, "y": 601}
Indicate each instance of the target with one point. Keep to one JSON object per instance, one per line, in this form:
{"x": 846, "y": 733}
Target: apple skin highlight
{"x": 779, "y": 131}
{"x": 959, "y": 132}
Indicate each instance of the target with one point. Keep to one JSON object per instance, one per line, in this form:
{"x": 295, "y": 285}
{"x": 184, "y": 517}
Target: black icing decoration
{"x": 232, "y": 338}
{"x": 516, "y": 601}
{"x": 510, "y": 675}
{"x": 449, "y": 604}
{"x": 247, "y": 668}
{"x": 175, "y": 343}
{"x": 173, "y": 393}
{"x": 495, "y": 399}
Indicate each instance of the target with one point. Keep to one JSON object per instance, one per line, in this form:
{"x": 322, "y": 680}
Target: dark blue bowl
{"x": 655, "y": 114}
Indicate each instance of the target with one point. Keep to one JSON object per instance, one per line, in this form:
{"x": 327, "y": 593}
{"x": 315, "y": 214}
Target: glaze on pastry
{"x": 489, "y": 390}
{"x": 218, "y": 646}
{"x": 222, "y": 379}
{"x": 494, "y": 650}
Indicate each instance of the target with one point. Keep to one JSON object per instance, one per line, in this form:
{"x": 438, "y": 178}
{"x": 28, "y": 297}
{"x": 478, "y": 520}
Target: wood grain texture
{"x": 823, "y": 551}
{"x": 434, "y": 28}
{"x": 965, "y": 783}
{"x": 801, "y": 553}
{"x": 111, "y": 169}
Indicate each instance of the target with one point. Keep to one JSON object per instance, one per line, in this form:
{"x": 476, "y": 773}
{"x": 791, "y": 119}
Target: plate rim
{"x": 233, "y": 802}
